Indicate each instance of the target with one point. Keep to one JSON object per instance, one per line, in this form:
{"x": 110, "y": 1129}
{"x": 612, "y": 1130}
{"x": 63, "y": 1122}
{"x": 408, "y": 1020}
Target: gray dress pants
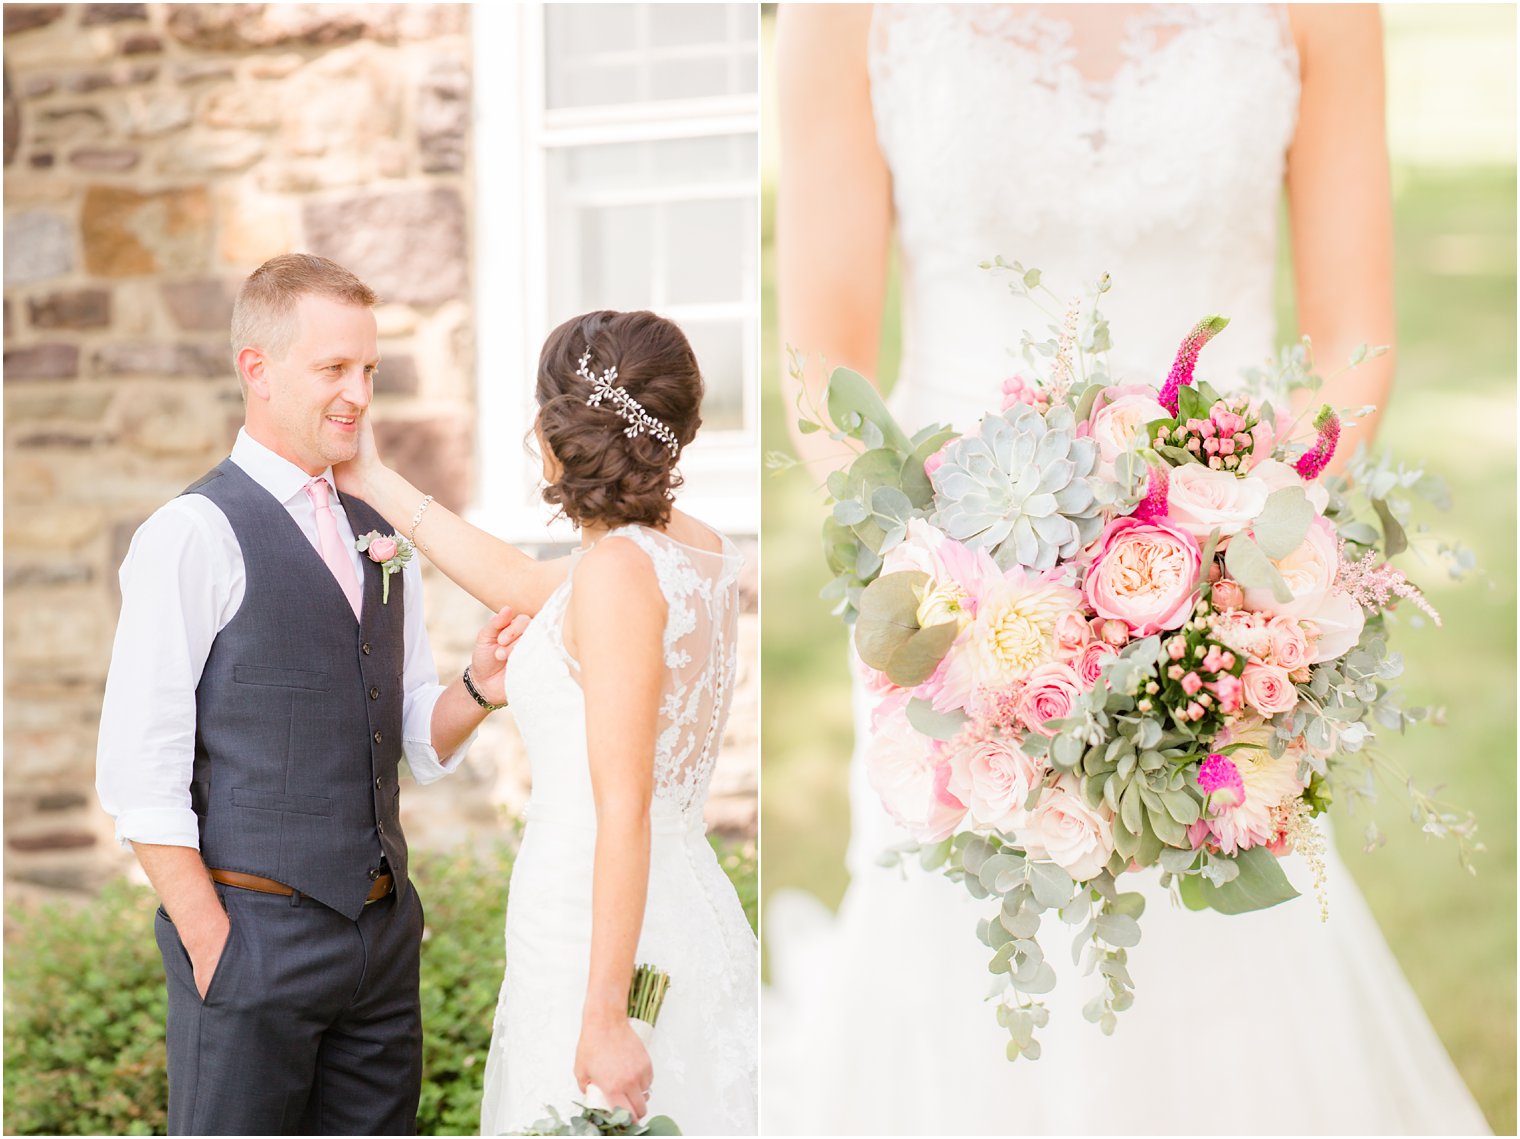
{"x": 312, "y": 1024}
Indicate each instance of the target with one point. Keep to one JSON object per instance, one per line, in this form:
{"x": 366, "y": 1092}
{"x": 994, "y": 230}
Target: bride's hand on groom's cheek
{"x": 351, "y": 475}
{"x": 493, "y": 646}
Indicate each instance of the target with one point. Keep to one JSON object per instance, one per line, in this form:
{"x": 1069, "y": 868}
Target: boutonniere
{"x": 390, "y": 554}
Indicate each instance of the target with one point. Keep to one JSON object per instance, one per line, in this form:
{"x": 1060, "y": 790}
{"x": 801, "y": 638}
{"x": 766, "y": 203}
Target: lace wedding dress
{"x": 1147, "y": 142}
{"x": 704, "y": 1046}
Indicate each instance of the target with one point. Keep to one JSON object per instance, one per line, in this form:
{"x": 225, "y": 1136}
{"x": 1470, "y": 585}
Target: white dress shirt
{"x": 182, "y": 581}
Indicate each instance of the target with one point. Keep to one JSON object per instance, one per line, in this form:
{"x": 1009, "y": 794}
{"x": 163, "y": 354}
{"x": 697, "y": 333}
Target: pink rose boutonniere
{"x": 390, "y": 554}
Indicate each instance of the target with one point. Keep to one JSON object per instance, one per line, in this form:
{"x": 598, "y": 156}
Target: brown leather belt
{"x": 383, "y": 884}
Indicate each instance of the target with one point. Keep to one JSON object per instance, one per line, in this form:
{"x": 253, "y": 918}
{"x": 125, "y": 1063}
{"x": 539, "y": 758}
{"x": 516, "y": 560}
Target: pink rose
{"x": 912, "y": 779}
{"x": 1117, "y": 423}
{"x": 1047, "y": 695}
{"x": 1309, "y": 572}
{"x": 1090, "y": 663}
{"x": 1017, "y": 390}
{"x": 381, "y": 549}
{"x": 992, "y": 776}
{"x": 1064, "y": 829}
{"x": 1227, "y": 594}
{"x": 1268, "y": 689}
{"x": 1072, "y": 635}
{"x": 1290, "y": 649}
{"x": 1200, "y": 500}
{"x": 1339, "y": 620}
{"x": 1143, "y": 575}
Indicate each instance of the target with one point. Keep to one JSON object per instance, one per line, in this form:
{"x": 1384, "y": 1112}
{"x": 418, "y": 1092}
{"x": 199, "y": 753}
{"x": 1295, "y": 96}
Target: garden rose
{"x": 1200, "y": 500}
{"x": 1339, "y": 621}
{"x": 381, "y": 549}
{"x": 1290, "y": 648}
{"x": 1309, "y": 572}
{"x": 1117, "y": 423}
{"x": 1064, "y": 829}
{"x": 1090, "y": 664}
{"x": 992, "y": 776}
{"x": 912, "y": 779}
{"x": 1227, "y": 594}
{"x": 1143, "y": 575}
{"x": 1047, "y": 695}
{"x": 1268, "y": 689}
{"x": 1072, "y": 635}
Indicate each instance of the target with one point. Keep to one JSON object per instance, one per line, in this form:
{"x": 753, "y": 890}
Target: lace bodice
{"x": 700, "y": 588}
{"x": 1146, "y": 141}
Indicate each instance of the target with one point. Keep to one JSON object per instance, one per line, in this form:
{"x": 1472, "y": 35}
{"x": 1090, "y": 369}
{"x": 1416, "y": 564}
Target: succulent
{"x": 1021, "y": 487}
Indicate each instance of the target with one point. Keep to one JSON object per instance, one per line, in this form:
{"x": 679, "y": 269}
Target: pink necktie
{"x": 330, "y": 546}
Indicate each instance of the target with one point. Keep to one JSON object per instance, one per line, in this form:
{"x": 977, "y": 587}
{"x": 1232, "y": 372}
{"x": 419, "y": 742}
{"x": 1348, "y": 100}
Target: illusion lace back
{"x": 704, "y": 1048}
{"x": 1147, "y": 142}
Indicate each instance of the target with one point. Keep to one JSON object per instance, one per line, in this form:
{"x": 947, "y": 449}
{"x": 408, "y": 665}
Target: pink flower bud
{"x": 381, "y": 549}
{"x": 1192, "y": 684}
{"x": 1176, "y": 648}
{"x": 1227, "y": 594}
{"x": 1195, "y": 711}
{"x": 1114, "y": 632}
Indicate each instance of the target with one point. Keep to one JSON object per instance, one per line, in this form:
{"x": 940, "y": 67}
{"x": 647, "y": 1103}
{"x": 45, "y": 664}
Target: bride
{"x": 1150, "y": 142}
{"x": 621, "y": 686}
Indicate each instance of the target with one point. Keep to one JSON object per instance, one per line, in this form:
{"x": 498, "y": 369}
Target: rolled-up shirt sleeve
{"x": 176, "y": 592}
{"x": 419, "y": 678}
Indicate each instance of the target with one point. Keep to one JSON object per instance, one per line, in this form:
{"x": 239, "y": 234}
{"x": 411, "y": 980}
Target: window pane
{"x": 720, "y": 350}
{"x": 615, "y": 54}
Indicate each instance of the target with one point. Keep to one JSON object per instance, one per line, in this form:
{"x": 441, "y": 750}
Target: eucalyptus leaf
{"x": 936, "y": 725}
{"x": 1251, "y": 567}
{"x": 1052, "y": 886}
{"x": 888, "y": 616}
{"x": 1281, "y": 526}
{"x": 851, "y": 394}
{"x": 1260, "y": 884}
{"x": 1395, "y": 541}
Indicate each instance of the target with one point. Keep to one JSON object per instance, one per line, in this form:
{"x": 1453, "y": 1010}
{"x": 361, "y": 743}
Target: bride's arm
{"x": 1340, "y": 206}
{"x": 833, "y": 209}
{"x": 492, "y": 571}
{"x": 615, "y": 627}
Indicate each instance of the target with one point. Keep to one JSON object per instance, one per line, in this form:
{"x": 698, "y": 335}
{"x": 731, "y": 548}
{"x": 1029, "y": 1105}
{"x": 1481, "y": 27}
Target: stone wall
{"x": 154, "y": 155}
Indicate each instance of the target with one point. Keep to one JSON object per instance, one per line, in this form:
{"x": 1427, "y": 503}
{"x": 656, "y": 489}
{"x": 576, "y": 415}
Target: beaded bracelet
{"x": 417, "y": 521}
{"x": 469, "y": 685}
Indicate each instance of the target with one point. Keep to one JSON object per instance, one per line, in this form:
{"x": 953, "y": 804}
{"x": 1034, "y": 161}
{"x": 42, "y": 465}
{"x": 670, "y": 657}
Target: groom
{"x": 261, "y": 695}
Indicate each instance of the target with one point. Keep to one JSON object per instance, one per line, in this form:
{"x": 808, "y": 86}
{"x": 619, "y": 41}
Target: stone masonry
{"x": 154, "y": 155}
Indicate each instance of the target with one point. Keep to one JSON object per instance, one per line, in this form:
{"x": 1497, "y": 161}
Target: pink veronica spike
{"x": 1312, "y": 463}
{"x": 1187, "y": 358}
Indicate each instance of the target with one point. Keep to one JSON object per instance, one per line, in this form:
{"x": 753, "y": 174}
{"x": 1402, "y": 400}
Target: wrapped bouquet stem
{"x": 646, "y": 996}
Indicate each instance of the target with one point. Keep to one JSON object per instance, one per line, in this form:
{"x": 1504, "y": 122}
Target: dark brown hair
{"x": 608, "y": 478}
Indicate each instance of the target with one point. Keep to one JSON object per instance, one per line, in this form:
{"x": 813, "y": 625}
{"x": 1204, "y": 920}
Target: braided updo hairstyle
{"x": 607, "y": 478}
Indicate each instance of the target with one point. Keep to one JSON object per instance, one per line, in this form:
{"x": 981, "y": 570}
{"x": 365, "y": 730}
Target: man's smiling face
{"x": 306, "y": 403}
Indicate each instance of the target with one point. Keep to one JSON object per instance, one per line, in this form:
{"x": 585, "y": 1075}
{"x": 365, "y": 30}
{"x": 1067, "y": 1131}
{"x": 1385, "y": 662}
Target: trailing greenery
{"x": 85, "y": 1001}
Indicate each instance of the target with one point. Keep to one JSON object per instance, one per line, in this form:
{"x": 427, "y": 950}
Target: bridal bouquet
{"x": 1116, "y": 627}
{"x": 646, "y": 995}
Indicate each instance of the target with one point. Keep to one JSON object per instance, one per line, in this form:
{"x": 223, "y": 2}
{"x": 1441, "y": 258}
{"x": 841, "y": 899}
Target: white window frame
{"x": 513, "y": 134}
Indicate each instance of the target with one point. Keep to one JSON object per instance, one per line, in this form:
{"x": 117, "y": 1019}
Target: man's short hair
{"x": 263, "y": 314}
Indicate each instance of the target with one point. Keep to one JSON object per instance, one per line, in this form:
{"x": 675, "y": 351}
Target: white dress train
{"x": 704, "y": 1049}
{"x": 1165, "y": 171}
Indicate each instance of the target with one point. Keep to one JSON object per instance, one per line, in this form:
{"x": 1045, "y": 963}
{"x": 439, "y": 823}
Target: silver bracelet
{"x": 469, "y": 686}
{"x": 417, "y": 521}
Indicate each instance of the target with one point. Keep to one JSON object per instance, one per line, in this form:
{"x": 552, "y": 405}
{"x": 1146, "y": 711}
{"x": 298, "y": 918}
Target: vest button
{"x": 379, "y": 781}
{"x": 377, "y": 737}
{"x": 364, "y": 648}
{"x": 374, "y": 693}
{"x": 380, "y": 828}
{"x": 374, "y": 872}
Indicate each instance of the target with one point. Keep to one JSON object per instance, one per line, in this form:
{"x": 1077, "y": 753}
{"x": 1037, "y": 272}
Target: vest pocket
{"x": 281, "y": 677}
{"x": 275, "y": 801}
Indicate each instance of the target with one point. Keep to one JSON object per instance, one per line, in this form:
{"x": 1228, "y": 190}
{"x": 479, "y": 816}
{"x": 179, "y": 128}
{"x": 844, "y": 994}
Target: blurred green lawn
{"x": 1453, "y": 410}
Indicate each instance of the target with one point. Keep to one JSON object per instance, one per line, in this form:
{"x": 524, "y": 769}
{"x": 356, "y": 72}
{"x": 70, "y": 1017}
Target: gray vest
{"x": 298, "y": 712}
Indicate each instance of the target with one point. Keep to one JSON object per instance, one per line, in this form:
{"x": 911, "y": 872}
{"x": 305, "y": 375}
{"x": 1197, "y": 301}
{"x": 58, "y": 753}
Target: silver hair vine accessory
{"x": 640, "y": 422}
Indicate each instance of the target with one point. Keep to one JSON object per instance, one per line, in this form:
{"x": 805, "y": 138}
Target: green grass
{"x": 85, "y": 1000}
{"x": 1454, "y": 410}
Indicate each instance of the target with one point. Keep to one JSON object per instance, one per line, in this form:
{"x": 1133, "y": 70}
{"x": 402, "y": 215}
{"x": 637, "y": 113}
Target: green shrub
{"x": 85, "y": 1002}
